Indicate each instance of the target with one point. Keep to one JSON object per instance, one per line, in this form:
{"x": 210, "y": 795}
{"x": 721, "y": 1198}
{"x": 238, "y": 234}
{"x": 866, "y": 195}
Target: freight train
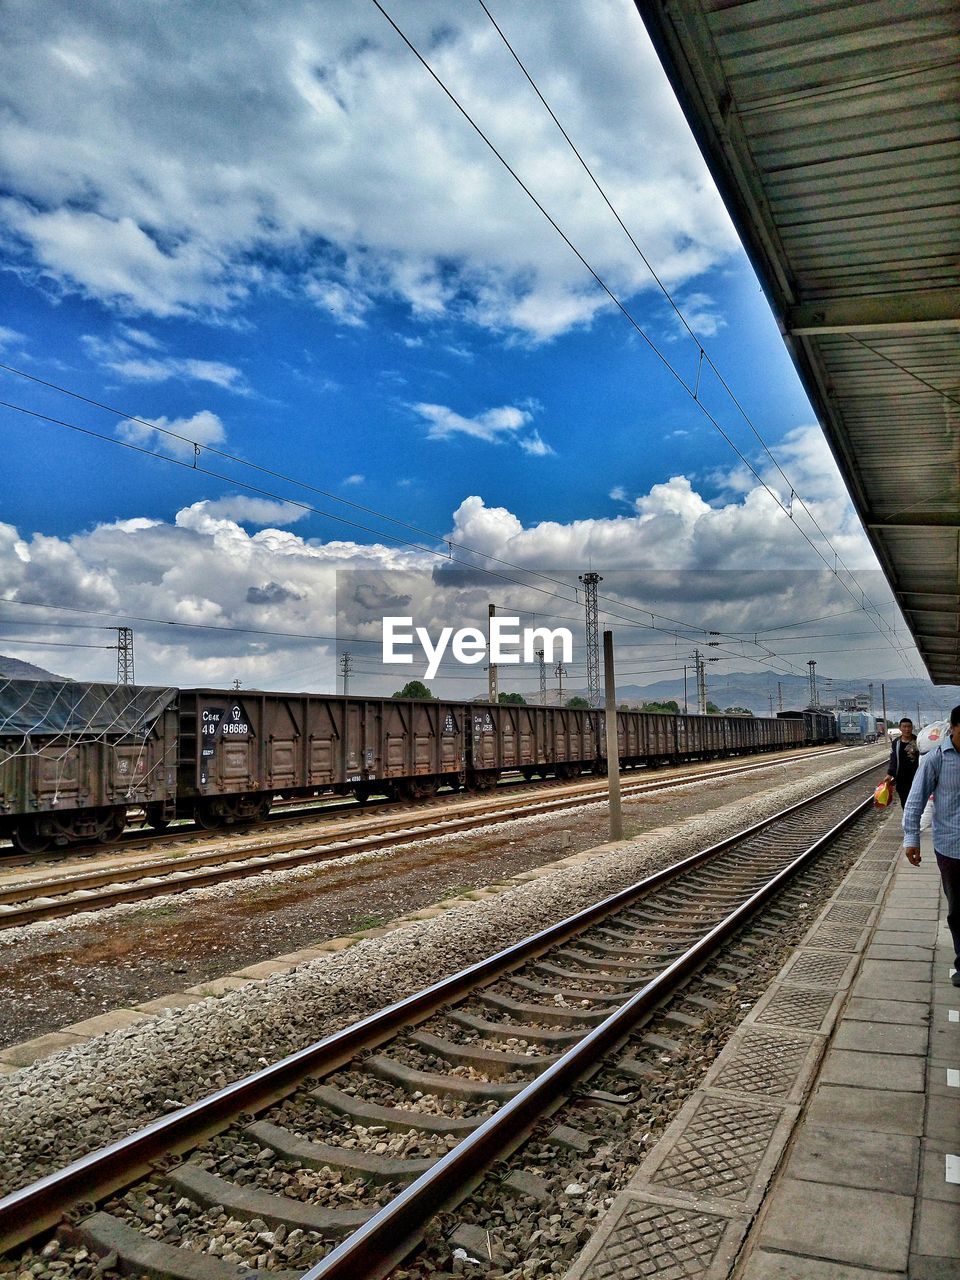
{"x": 78, "y": 761}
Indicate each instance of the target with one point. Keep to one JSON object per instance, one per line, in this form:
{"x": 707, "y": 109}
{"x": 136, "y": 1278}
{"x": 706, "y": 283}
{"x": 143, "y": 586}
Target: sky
{"x": 272, "y": 309}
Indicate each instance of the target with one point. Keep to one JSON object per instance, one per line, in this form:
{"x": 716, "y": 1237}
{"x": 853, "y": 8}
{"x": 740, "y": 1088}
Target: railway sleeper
{"x": 626, "y": 981}
{"x": 396, "y": 1119}
{"x": 493, "y": 1062}
{"x": 551, "y": 1014}
{"x": 138, "y": 1255}
{"x": 323, "y": 1155}
{"x": 568, "y": 994}
{"x": 246, "y": 1203}
{"x": 503, "y": 1030}
{"x": 414, "y": 1081}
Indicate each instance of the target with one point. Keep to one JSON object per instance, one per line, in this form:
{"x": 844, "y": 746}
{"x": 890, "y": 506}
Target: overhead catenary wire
{"x": 624, "y": 310}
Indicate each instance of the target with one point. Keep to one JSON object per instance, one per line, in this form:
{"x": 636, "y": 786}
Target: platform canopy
{"x": 833, "y": 133}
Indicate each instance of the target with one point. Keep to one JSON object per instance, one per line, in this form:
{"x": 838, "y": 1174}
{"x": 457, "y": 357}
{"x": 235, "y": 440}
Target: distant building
{"x": 857, "y": 702}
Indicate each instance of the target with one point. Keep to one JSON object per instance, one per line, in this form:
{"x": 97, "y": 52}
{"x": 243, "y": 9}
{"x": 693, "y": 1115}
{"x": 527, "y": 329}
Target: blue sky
{"x": 269, "y": 232}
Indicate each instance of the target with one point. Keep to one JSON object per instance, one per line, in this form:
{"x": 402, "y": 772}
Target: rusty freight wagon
{"x": 77, "y": 760}
{"x": 239, "y": 750}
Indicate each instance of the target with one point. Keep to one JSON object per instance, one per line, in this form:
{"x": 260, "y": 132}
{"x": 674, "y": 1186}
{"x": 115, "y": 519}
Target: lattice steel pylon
{"x": 543, "y": 677}
{"x": 125, "y": 655}
{"x": 590, "y": 581}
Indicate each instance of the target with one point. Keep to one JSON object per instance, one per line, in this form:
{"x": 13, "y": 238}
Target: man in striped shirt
{"x": 939, "y": 776}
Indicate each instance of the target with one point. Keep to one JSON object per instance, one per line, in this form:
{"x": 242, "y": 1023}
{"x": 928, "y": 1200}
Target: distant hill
{"x": 754, "y": 690}
{"x": 14, "y": 669}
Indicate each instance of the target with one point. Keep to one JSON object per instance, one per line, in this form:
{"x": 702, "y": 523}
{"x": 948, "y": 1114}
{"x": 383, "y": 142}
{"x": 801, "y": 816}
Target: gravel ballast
{"x": 107, "y": 1087}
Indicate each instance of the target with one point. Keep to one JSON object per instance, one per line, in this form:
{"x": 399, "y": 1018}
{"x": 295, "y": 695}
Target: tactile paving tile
{"x": 798, "y": 1007}
{"x": 847, "y": 913}
{"x": 765, "y": 1064}
{"x": 875, "y": 874}
{"x": 857, "y": 893}
{"x": 837, "y": 937}
{"x": 818, "y": 967}
{"x": 720, "y": 1150}
{"x": 658, "y": 1242}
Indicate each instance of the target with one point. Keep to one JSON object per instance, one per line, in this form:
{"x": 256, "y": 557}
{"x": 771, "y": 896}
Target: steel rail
{"x": 31, "y": 1210}
{"x": 385, "y": 1240}
{"x": 119, "y": 883}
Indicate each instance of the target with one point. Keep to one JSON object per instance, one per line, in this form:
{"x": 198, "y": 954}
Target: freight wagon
{"x": 76, "y": 761}
{"x": 75, "y": 757}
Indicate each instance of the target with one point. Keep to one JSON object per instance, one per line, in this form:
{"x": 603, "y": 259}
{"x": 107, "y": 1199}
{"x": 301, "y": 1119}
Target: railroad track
{"x": 26, "y": 902}
{"x": 362, "y": 1137}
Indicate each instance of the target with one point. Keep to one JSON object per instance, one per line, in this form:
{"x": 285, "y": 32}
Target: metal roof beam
{"x": 917, "y": 520}
{"x": 923, "y": 308}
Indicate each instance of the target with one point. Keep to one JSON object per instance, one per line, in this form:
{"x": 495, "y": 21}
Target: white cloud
{"x": 618, "y": 493}
{"x": 356, "y": 478}
{"x": 123, "y": 356}
{"x": 239, "y": 509}
{"x": 701, "y": 314}
{"x": 346, "y": 175}
{"x": 9, "y": 337}
{"x": 677, "y": 552}
{"x": 204, "y": 428}
{"x": 491, "y": 425}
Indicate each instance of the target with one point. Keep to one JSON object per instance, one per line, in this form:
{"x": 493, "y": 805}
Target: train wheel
{"x": 111, "y": 830}
{"x": 205, "y": 817}
{"x": 27, "y": 839}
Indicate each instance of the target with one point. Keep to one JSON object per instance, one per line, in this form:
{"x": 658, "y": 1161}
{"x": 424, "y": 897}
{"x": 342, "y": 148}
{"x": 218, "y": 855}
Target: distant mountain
{"x": 14, "y": 669}
{"x": 755, "y": 690}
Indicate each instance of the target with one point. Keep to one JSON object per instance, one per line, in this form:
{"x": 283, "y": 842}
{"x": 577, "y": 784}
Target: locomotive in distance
{"x": 79, "y": 761}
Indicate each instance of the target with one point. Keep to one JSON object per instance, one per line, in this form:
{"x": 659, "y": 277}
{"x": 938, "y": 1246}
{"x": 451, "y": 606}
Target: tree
{"x": 577, "y": 703}
{"x": 414, "y": 689}
{"x": 670, "y": 708}
{"x": 738, "y": 711}
{"x": 513, "y": 697}
{"x": 713, "y": 709}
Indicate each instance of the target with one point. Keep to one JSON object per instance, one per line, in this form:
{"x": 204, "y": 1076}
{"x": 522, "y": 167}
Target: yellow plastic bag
{"x": 883, "y": 794}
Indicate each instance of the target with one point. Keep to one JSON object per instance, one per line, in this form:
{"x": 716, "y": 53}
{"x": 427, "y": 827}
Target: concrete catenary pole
{"x": 346, "y": 666}
{"x": 492, "y": 689}
{"x": 613, "y": 747}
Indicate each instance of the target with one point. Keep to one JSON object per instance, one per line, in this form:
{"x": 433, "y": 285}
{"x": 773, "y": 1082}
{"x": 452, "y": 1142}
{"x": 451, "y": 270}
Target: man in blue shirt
{"x": 939, "y": 776}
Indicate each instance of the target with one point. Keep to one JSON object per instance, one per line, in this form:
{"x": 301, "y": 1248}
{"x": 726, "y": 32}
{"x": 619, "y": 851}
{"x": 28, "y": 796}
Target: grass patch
{"x": 370, "y": 921}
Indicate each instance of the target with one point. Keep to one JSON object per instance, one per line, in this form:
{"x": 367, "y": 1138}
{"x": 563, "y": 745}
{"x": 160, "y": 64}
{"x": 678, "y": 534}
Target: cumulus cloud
{"x": 166, "y": 197}
{"x": 174, "y": 435}
{"x": 735, "y": 564}
{"x": 239, "y": 509}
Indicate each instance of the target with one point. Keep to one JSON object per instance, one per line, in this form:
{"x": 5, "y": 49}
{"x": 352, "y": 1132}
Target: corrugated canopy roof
{"x": 833, "y": 131}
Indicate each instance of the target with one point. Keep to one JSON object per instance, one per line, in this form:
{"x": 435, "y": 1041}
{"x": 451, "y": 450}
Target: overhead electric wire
{"x": 704, "y": 355}
{"x": 622, "y": 307}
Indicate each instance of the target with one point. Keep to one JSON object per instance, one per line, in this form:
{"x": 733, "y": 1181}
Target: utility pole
{"x": 559, "y": 672}
{"x": 346, "y": 666}
{"x": 883, "y": 697}
{"x": 779, "y": 695}
{"x": 590, "y": 581}
{"x": 613, "y": 746}
{"x": 685, "y": 709}
{"x": 541, "y": 666}
{"x": 771, "y": 705}
{"x": 493, "y": 692}
{"x": 125, "y": 655}
{"x": 236, "y": 682}
{"x": 870, "y": 690}
{"x": 814, "y": 700}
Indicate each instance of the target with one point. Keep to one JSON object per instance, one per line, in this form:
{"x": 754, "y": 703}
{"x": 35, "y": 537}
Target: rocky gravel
{"x": 62, "y": 971}
{"x": 100, "y": 1090}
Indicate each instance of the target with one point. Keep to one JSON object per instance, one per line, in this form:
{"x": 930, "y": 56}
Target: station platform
{"x": 824, "y": 1143}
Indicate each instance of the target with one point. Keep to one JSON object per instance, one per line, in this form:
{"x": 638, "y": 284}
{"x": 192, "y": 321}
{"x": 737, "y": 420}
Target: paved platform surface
{"x": 825, "y": 1141}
